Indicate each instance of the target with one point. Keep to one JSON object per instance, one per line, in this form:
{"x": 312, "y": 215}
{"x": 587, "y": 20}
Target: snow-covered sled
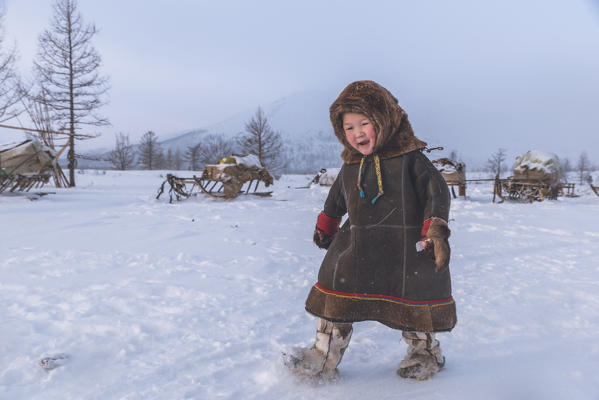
{"x": 537, "y": 176}
{"x": 229, "y": 178}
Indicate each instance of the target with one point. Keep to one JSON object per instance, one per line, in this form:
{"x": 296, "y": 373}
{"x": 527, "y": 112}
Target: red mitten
{"x": 326, "y": 228}
{"x": 435, "y": 232}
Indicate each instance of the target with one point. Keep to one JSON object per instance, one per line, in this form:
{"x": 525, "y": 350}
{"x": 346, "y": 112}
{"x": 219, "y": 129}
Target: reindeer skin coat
{"x": 371, "y": 270}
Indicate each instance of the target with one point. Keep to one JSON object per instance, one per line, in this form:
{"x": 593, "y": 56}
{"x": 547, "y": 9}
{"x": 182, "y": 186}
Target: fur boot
{"x": 321, "y": 360}
{"x": 424, "y": 358}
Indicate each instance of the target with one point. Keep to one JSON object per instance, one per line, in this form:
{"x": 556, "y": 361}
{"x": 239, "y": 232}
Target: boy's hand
{"x": 435, "y": 234}
{"x": 326, "y": 228}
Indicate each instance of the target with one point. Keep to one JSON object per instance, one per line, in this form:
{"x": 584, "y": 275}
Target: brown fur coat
{"x": 371, "y": 270}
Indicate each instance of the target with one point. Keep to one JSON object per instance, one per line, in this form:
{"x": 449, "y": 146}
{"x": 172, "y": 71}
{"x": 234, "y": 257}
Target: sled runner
{"x": 231, "y": 177}
{"x": 522, "y": 190}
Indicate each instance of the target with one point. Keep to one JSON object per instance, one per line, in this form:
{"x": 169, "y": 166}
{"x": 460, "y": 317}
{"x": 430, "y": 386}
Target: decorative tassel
{"x": 362, "y": 194}
{"x": 379, "y": 178}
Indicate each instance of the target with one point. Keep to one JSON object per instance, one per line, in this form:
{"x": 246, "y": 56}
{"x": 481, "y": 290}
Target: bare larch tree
{"x": 10, "y": 92}
{"x": 261, "y": 140}
{"x": 566, "y": 166}
{"x": 160, "y": 161}
{"x": 67, "y": 68}
{"x": 169, "y": 161}
{"x": 123, "y": 155}
{"x": 41, "y": 117}
{"x": 192, "y": 157}
{"x": 149, "y": 151}
{"x": 213, "y": 148}
{"x": 495, "y": 162}
{"x": 583, "y": 166}
{"x": 177, "y": 161}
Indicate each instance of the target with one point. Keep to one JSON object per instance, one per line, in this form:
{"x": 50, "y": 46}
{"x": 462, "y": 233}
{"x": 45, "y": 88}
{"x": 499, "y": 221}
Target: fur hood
{"x": 394, "y": 132}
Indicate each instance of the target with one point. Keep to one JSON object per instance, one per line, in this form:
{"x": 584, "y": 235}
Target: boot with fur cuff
{"x": 424, "y": 358}
{"x": 321, "y": 360}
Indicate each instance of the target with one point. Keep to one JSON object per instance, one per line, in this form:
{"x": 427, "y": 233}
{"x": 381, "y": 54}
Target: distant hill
{"x": 302, "y": 119}
{"x": 299, "y": 115}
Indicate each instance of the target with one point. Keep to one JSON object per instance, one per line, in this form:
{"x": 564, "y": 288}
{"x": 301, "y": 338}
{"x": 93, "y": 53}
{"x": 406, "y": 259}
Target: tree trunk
{"x": 72, "y": 162}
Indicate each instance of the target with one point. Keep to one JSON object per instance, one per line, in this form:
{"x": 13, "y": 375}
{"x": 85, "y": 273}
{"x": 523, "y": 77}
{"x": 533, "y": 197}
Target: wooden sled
{"x": 221, "y": 181}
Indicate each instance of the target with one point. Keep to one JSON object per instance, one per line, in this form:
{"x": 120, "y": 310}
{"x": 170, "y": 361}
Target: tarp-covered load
{"x": 27, "y": 158}
{"x": 27, "y": 165}
{"x": 537, "y": 165}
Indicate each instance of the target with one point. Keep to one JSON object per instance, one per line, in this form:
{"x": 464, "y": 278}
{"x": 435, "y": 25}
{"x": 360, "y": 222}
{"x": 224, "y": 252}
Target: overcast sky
{"x": 497, "y": 72}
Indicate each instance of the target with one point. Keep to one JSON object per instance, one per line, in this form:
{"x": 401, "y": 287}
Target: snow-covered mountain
{"x": 299, "y": 116}
{"x": 302, "y": 119}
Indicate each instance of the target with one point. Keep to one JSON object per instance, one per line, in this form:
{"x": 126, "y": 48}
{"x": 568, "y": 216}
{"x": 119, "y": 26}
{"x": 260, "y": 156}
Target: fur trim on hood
{"x": 394, "y": 135}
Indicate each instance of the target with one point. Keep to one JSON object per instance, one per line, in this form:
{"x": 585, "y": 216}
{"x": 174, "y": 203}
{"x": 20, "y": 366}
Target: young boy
{"x": 389, "y": 261}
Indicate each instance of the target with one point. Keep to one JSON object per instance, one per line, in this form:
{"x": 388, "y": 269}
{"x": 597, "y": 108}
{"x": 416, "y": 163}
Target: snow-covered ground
{"x": 197, "y": 299}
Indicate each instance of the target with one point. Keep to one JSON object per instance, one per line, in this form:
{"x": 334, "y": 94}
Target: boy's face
{"x": 359, "y": 132}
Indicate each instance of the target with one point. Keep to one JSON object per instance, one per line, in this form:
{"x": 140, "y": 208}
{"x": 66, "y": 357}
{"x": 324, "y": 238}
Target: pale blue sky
{"x": 494, "y": 72}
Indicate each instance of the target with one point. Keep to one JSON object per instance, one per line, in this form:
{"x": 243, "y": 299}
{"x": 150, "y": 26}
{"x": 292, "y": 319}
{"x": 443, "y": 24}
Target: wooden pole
{"x": 43, "y": 131}
{"x": 61, "y": 150}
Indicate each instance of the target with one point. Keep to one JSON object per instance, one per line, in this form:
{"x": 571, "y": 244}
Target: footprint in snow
{"x": 54, "y": 361}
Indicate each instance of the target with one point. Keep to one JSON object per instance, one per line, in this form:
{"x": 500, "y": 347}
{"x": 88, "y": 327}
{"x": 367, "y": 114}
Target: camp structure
{"x": 326, "y": 176}
{"x": 454, "y": 174}
{"x": 26, "y": 166}
{"x": 536, "y": 175}
{"x": 226, "y": 180}
{"x": 31, "y": 163}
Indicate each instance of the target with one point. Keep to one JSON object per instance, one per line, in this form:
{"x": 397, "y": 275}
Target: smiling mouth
{"x": 364, "y": 143}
